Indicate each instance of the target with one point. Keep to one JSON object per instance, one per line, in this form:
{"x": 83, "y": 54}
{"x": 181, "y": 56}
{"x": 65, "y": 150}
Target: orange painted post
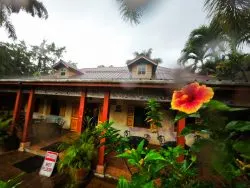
{"x": 105, "y": 112}
{"x": 28, "y": 116}
{"x": 180, "y": 139}
{"x": 81, "y": 112}
{"x": 16, "y": 112}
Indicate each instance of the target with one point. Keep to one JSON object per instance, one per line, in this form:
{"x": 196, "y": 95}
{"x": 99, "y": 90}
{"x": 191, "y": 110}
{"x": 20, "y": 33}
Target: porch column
{"x": 16, "y": 112}
{"x": 28, "y": 117}
{"x": 81, "y": 112}
{"x": 105, "y": 112}
{"x": 180, "y": 139}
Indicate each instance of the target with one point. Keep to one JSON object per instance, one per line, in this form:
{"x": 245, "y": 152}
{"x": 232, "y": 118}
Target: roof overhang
{"x": 119, "y": 83}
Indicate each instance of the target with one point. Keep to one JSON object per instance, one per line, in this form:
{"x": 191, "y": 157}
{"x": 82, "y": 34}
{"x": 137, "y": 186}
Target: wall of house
{"x": 45, "y": 107}
{"x": 68, "y": 72}
{"x": 148, "y": 75}
{"x": 120, "y": 123}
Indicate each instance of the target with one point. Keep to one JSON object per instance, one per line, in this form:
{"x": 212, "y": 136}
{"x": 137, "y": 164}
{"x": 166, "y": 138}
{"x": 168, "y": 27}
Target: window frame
{"x": 63, "y": 72}
{"x": 139, "y": 69}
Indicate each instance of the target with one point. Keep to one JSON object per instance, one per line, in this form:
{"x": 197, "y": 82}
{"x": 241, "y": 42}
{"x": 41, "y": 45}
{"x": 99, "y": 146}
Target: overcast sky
{"x": 94, "y": 33}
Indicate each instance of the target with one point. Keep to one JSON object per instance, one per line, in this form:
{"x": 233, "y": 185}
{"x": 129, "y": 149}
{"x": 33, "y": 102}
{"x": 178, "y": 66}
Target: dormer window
{"x": 141, "y": 69}
{"x": 63, "y": 72}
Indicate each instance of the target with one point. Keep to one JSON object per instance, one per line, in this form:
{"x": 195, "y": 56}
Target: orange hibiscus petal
{"x": 191, "y": 107}
{"x": 204, "y": 93}
{"x": 191, "y": 98}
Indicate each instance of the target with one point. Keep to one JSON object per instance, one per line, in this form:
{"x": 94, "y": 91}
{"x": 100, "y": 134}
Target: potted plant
{"x": 77, "y": 158}
{"x": 4, "y": 125}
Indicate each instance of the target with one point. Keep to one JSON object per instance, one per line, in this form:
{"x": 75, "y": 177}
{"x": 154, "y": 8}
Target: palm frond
{"x": 133, "y": 10}
{"x": 10, "y": 29}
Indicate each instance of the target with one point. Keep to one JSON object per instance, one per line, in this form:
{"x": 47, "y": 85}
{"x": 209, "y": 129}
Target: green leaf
{"x": 132, "y": 162}
{"x": 149, "y": 185}
{"x": 153, "y": 156}
{"x": 140, "y": 146}
{"x": 124, "y": 155}
{"x": 199, "y": 144}
{"x": 242, "y": 147}
{"x": 239, "y": 126}
{"x": 179, "y": 116}
{"x": 218, "y": 105}
{"x": 186, "y": 131}
{"x": 193, "y": 158}
{"x": 123, "y": 183}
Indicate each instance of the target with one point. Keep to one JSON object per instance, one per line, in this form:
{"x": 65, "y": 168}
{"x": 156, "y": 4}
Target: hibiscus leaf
{"x": 217, "y": 105}
{"x": 181, "y": 115}
{"x": 241, "y": 126}
{"x": 242, "y": 147}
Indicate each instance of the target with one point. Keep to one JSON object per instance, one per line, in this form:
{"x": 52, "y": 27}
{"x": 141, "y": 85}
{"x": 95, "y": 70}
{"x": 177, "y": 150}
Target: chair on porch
{"x": 135, "y": 140}
{"x": 165, "y": 144}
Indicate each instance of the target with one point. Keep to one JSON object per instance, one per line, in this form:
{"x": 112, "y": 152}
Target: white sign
{"x": 48, "y": 163}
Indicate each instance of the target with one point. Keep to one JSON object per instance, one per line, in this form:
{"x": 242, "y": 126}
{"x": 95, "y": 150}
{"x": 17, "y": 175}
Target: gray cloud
{"x": 94, "y": 33}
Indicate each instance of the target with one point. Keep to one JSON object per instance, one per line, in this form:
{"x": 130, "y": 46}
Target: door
{"x": 74, "y": 117}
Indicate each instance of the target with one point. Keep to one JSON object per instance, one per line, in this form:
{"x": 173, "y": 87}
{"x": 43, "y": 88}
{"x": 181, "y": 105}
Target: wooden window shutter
{"x": 62, "y": 109}
{"x": 130, "y": 117}
{"x": 48, "y": 107}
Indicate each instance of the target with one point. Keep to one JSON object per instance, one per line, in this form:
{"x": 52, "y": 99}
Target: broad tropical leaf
{"x": 241, "y": 126}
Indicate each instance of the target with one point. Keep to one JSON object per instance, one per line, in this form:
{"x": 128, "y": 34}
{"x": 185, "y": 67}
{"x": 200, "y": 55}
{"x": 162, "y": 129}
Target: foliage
{"x": 148, "y": 53}
{"x": 8, "y": 7}
{"x": 12, "y": 183}
{"x": 4, "y": 125}
{"x": 230, "y": 155}
{"x": 79, "y": 154}
{"x": 154, "y": 115}
{"x": 20, "y": 59}
{"x": 113, "y": 140}
{"x": 16, "y": 59}
{"x": 46, "y": 55}
{"x": 160, "y": 168}
{"x": 202, "y": 45}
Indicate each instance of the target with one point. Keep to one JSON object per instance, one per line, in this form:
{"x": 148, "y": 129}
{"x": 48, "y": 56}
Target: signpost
{"x": 48, "y": 163}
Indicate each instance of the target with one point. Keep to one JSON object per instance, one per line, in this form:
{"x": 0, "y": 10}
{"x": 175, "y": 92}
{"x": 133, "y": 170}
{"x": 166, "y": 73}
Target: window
{"x": 63, "y": 72}
{"x": 141, "y": 69}
{"x": 139, "y": 118}
{"x": 37, "y": 105}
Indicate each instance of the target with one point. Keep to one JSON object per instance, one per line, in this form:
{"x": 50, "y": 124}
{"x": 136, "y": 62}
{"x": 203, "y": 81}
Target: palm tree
{"x": 7, "y": 7}
{"x": 147, "y": 53}
{"x": 202, "y": 44}
{"x": 233, "y": 16}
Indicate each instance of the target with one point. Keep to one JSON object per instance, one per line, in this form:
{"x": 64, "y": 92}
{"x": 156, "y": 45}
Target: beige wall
{"x": 68, "y": 111}
{"x": 148, "y": 74}
{"x": 68, "y": 72}
{"x": 120, "y": 123}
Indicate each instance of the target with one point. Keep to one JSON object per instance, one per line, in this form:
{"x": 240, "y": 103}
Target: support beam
{"x": 81, "y": 112}
{"x": 180, "y": 139}
{"x": 16, "y": 112}
{"x": 28, "y": 118}
{"x": 105, "y": 113}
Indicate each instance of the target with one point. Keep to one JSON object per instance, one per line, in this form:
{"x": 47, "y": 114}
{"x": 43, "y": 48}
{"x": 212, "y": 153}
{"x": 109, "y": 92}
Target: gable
{"x": 63, "y": 69}
{"x": 142, "y": 68}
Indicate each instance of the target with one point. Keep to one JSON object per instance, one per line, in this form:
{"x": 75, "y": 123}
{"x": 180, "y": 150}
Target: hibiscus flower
{"x": 190, "y": 98}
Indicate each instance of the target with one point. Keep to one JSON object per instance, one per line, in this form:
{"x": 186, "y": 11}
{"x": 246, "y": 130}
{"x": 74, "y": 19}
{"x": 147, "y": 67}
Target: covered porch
{"x": 67, "y": 107}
